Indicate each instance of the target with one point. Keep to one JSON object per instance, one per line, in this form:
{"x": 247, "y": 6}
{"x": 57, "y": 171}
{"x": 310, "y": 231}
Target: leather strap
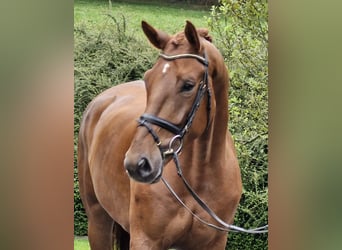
{"x": 223, "y": 225}
{"x": 161, "y": 123}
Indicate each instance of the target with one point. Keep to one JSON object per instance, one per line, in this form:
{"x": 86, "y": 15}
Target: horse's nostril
{"x": 144, "y": 168}
{"x": 142, "y": 163}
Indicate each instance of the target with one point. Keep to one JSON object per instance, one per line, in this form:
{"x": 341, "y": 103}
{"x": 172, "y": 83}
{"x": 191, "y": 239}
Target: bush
{"x": 242, "y": 38}
{"x": 102, "y": 58}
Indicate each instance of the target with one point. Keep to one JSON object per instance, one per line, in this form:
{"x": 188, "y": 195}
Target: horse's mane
{"x": 205, "y": 33}
{"x": 179, "y": 38}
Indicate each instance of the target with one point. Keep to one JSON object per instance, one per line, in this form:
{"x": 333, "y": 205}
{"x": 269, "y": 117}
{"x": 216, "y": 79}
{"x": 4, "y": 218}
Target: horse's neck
{"x": 217, "y": 135}
{"x": 204, "y": 161}
{"x": 210, "y": 148}
{"x": 212, "y": 144}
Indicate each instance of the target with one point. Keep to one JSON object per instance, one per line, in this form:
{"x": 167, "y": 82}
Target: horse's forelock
{"x": 179, "y": 38}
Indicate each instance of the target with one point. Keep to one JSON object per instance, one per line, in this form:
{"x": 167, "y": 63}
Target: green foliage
{"x": 102, "y": 59}
{"x": 80, "y": 219}
{"x": 241, "y": 29}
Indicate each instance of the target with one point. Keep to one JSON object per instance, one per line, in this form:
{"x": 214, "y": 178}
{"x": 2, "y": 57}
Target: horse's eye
{"x": 187, "y": 86}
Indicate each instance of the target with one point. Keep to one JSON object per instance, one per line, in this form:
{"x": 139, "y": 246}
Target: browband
{"x": 199, "y": 58}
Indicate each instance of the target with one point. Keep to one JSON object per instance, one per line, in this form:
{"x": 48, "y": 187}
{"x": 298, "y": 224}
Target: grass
{"x": 168, "y": 17}
{"x": 81, "y": 243}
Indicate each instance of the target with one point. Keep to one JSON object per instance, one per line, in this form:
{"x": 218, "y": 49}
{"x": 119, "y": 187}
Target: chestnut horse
{"x": 182, "y": 110}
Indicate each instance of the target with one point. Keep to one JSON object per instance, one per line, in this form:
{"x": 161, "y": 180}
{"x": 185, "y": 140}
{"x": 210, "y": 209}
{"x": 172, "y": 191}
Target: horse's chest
{"x": 159, "y": 216}
{"x": 185, "y": 231}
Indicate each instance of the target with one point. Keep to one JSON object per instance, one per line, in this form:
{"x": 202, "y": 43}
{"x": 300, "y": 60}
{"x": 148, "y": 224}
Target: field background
{"x": 167, "y": 17}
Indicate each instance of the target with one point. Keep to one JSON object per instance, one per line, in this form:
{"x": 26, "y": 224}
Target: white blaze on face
{"x": 166, "y": 66}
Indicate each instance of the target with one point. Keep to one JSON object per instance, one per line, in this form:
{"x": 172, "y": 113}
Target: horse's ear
{"x": 158, "y": 38}
{"x": 192, "y": 35}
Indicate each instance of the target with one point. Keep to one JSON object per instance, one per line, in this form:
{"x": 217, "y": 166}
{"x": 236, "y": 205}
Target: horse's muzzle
{"x": 142, "y": 170}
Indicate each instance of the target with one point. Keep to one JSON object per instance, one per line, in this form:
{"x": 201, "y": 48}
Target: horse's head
{"x": 176, "y": 86}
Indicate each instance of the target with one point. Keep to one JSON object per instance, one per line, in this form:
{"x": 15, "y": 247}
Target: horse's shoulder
{"x": 116, "y": 103}
{"x": 115, "y": 97}
{"x": 126, "y": 101}
{"x": 124, "y": 90}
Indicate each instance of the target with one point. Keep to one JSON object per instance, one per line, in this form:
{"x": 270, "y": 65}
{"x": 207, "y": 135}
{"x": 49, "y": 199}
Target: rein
{"x": 147, "y": 119}
{"x": 223, "y": 225}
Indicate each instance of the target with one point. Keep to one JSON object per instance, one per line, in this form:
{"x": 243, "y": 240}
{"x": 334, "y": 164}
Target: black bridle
{"x": 147, "y": 119}
{"x": 179, "y": 132}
